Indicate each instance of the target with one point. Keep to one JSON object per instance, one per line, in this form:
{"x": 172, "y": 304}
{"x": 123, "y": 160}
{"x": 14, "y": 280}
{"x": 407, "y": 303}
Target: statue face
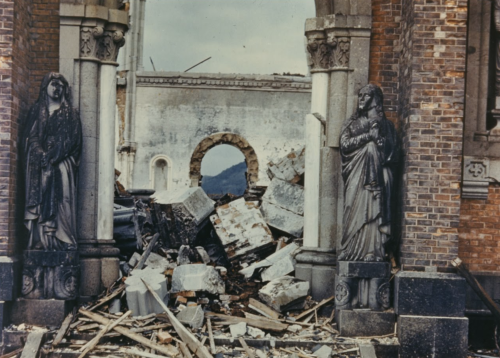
{"x": 55, "y": 89}
{"x": 365, "y": 98}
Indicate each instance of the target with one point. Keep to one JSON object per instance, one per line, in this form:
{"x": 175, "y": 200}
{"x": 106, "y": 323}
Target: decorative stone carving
{"x": 340, "y": 52}
{"x": 475, "y": 178}
{"x": 89, "y": 37}
{"x": 109, "y": 44}
{"x": 51, "y": 147}
{"x": 320, "y": 52}
{"x": 369, "y": 151}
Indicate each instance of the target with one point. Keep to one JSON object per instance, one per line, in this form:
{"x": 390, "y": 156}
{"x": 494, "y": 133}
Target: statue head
{"x": 55, "y": 87}
{"x": 371, "y": 96}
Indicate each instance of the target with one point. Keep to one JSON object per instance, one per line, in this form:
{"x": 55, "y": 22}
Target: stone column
{"x": 338, "y": 47}
{"x": 91, "y": 69}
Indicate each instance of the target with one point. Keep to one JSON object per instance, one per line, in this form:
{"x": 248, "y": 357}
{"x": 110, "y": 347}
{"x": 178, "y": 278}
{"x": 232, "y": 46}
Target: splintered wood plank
{"x": 33, "y": 344}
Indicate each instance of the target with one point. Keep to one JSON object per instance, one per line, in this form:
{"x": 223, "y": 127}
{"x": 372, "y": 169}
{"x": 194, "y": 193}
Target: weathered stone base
{"x": 364, "y": 323}
{"x": 436, "y": 337}
{"x": 318, "y": 268}
{"x": 5, "y": 308}
{"x": 10, "y": 270}
{"x": 429, "y": 294}
{"x": 40, "y": 312}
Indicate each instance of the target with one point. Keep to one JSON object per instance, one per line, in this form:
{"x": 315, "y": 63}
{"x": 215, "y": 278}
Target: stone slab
{"x": 282, "y": 219}
{"x": 429, "y": 294}
{"x": 421, "y": 337}
{"x": 364, "y": 323}
{"x": 290, "y": 168}
{"x": 241, "y": 228}
{"x": 362, "y": 269}
{"x": 192, "y": 316}
{"x": 40, "y": 312}
{"x": 286, "y": 195}
{"x": 192, "y": 200}
{"x": 10, "y": 270}
{"x": 269, "y": 261}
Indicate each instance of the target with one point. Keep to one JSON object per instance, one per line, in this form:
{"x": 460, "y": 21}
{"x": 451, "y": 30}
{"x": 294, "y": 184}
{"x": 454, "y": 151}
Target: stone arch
{"x": 213, "y": 140}
{"x": 153, "y": 166}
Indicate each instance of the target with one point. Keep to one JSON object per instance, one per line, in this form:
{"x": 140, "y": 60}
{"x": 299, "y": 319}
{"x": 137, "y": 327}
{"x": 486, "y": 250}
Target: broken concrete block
{"x": 294, "y": 328}
{"x": 282, "y": 254}
{"x": 164, "y": 337}
{"x": 286, "y": 195}
{"x": 241, "y": 228}
{"x": 139, "y": 300}
{"x": 282, "y": 219}
{"x": 290, "y": 168}
{"x": 197, "y": 277}
{"x": 255, "y": 332}
{"x": 238, "y": 330}
{"x": 192, "y": 316}
{"x": 323, "y": 352}
{"x": 285, "y": 293}
{"x": 187, "y": 210}
{"x": 279, "y": 269}
{"x": 154, "y": 261}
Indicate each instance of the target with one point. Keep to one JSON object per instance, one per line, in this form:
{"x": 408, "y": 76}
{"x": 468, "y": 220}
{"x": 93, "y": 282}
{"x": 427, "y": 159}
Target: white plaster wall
{"x": 172, "y": 121}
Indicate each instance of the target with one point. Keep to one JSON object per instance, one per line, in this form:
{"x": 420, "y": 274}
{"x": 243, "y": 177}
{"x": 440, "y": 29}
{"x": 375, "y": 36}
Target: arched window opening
{"x": 224, "y": 171}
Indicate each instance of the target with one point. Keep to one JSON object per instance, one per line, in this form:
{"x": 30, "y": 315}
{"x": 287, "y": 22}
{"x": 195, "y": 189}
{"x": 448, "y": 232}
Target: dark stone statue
{"x": 496, "y": 16}
{"x": 52, "y": 145}
{"x": 368, "y": 145}
{"x": 51, "y": 148}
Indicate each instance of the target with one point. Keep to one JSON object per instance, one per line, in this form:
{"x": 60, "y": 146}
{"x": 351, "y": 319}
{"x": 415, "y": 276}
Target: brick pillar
{"x": 432, "y": 68}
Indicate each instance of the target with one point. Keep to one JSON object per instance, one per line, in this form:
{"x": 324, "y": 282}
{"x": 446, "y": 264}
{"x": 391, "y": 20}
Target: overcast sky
{"x": 241, "y": 36}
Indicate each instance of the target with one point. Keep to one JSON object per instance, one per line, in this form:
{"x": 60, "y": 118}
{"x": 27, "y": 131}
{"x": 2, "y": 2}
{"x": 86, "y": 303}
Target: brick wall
{"x": 479, "y": 232}
{"x": 29, "y": 47}
{"x": 384, "y": 57}
{"x": 432, "y": 86}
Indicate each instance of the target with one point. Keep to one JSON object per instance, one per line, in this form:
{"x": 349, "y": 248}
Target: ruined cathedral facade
{"x": 437, "y": 63}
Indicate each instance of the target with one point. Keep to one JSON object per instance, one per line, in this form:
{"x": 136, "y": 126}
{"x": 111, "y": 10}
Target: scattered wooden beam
{"x": 108, "y": 297}
{"x": 258, "y": 322}
{"x": 211, "y": 336}
{"x": 184, "y": 349}
{"x": 306, "y": 312}
{"x": 12, "y": 354}
{"x": 90, "y": 345}
{"x": 147, "y": 252}
{"x": 136, "y": 352}
{"x": 33, "y": 345}
{"x": 168, "y": 350}
{"x": 246, "y": 348}
{"x": 263, "y": 309}
{"x": 185, "y": 335}
{"x": 88, "y": 327}
{"x": 63, "y": 330}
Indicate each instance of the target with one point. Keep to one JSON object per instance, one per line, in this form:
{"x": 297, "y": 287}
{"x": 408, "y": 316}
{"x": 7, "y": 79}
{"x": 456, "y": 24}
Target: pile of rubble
{"x": 208, "y": 279}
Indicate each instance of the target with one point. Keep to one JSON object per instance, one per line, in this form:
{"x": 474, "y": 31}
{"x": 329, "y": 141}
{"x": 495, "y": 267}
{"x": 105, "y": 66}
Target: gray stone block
{"x": 40, "y": 312}
{"x": 10, "y": 270}
{"x": 286, "y": 195}
{"x": 422, "y": 337}
{"x": 192, "y": 316}
{"x": 323, "y": 282}
{"x": 280, "y": 257}
{"x": 365, "y": 323}
{"x": 282, "y": 219}
{"x": 303, "y": 272}
{"x": 360, "y": 269}
{"x": 285, "y": 293}
{"x": 139, "y": 299}
{"x": 429, "y": 294}
{"x": 197, "y": 277}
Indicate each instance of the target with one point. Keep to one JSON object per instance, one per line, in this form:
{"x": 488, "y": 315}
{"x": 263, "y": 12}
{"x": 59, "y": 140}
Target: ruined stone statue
{"x": 52, "y": 144}
{"x": 368, "y": 145}
{"x": 496, "y": 16}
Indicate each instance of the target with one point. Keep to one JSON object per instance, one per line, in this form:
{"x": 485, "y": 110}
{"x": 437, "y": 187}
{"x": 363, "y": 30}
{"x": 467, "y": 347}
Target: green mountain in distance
{"x": 232, "y": 180}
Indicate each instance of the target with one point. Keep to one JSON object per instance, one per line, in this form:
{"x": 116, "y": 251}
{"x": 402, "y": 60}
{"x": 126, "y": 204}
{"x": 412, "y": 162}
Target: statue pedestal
{"x": 50, "y": 274}
{"x": 40, "y": 312}
{"x": 363, "y": 294}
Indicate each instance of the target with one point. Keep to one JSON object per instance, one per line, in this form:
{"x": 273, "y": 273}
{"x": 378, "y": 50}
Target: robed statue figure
{"x": 51, "y": 147}
{"x": 369, "y": 149}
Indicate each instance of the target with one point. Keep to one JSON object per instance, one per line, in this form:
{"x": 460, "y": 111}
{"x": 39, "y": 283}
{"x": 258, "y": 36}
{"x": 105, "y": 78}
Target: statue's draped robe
{"x": 368, "y": 177}
{"x": 50, "y": 208}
